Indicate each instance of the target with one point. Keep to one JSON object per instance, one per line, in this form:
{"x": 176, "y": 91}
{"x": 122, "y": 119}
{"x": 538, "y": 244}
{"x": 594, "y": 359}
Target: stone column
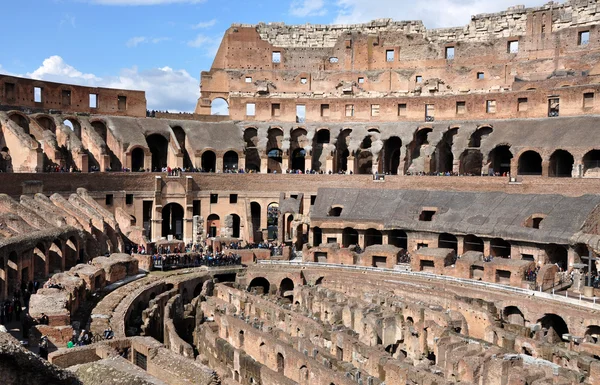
{"x": 545, "y": 168}
{"x": 285, "y": 163}
{"x": 361, "y": 239}
{"x": 351, "y": 165}
{"x": 487, "y": 247}
{"x": 329, "y": 164}
{"x": 460, "y": 245}
{"x": 264, "y": 164}
{"x": 219, "y": 165}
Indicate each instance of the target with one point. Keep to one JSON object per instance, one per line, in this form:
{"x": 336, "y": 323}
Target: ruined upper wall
{"x": 20, "y": 93}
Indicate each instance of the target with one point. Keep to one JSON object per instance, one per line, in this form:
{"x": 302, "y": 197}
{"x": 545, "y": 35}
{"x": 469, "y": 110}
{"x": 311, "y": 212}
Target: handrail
{"x": 472, "y": 282}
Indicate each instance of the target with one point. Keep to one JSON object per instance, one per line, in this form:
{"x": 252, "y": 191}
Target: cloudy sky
{"x": 161, "y": 46}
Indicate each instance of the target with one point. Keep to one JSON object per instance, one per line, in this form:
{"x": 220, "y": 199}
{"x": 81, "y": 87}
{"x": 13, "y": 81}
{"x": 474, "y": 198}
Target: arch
{"x": 594, "y": 332}
{"x": 273, "y": 220}
{"x": 219, "y": 106}
{"x": 46, "y": 123}
{"x": 319, "y": 155}
{"x": 255, "y": 214}
{"x": 391, "y": 155}
{"x": 530, "y": 163}
{"x": 556, "y": 322}
{"x": 55, "y": 255}
{"x": 561, "y": 164}
{"x": 298, "y": 159}
{"x": 181, "y": 138}
{"x": 74, "y": 125}
{"x": 280, "y": 363}
{"x": 473, "y": 243}
{"x": 241, "y": 338}
{"x": 365, "y": 162}
{"x": 373, "y": 237}
{"x": 252, "y": 155}
{"x": 260, "y": 284}
{"x": 286, "y": 286}
{"x": 303, "y": 374}
{"x": 20, "y": 120}
{"x": 342, "y": 151}
{"x": 288, "y": 227}
{"x": 158, "y": 146}
{"x": 417, "y": 145}
{"x": 443, "y": 159}
{"x": 398, "y": 238}
{"x": 557, "y": 254}
{"x": 275, "y": 157}
{"x": 172, "y": 220}
{"x": 349, "y": 237}
{"x": 71, "y": 252}
{"x": 317, "y": 236}
{"x": 213, "y": 223}
{"x": 591, "y": 164}
{"x": 448, "y": 241}
{"x": 479, "y": 134}
{"x": 235, "y": 225}
{"x": 100, "y": 128}
{"x": 513, "y": 315}
{"x": 471, "y": 161}
{"x": 335, "y": 211}
{"x": 230, "y": 161}
{"x": 39, "y": 260}
{"x": 209, "y": 161}
{"x": 500, "y": 158}
{"x": 137, "y": 159}
{"x": 500, "y": 248}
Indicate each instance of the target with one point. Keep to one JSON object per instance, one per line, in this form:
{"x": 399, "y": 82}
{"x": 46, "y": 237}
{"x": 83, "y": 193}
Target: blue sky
{"x": 161, "y": 46}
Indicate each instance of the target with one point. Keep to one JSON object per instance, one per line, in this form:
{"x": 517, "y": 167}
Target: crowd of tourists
{"x": 193, "y": 255}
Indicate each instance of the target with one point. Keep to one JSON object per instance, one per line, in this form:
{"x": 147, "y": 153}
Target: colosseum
{"x": 382, "y": 204}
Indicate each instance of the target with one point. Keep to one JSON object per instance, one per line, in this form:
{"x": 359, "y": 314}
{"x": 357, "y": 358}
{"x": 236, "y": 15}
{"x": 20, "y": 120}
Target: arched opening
{"x": 39, "y": 261}
{"x": 241, "y": 338}
{"x": 55, "y": 255}
{"x": 317, "y": 236}
{"x": 209, "y": 161}
{"x": 530, "y": 163}
{"x": 342, "y": 152}
{"x": 235, "y": 225}
{"x": 74, "y": 126}
{"x": 252, "y": 155}
{"x": 473, "y": 243}
{"x": 349, "y": 237}
{"x": 499, "y": 248}
{"x": 398, "y": 238}
{"x": 556, "y": 322}
{"x": 280, "y": 363}
{"x": 20, "y": 121}
{"x": 213, "y": 223}
{"x": 298, "y": 160}
{"x": 260, "y": 285}
{"x": 137, "y": 159}
{"x": 479, "y": 134}
{"x": 365, "y": 162}
{"x": 158, "y": 146}
{"x": 471, "y": 162}
{"x": 172, "y": 221}
{"x": 593, "y": 332}
{"x": 558, "y": 255}
{"x": 71, "y": 252}
{"x": 289, "y": 231}
{"x": 219, "y": 106}
{"x": 591, "y": 164}
{"x": 255, "y": 212}
{"x": 47, "y": 124}
{"x": 415, "y": 148}
{"x": 561, "y": 164}
{"x": 443, "y": 159}
{"x": 303, "y": 375}
{"x": 448, "y": 241}
{"x": 230, "y": 161}
{"x": 274, "y": 153}
{"x": 513, "y": 315}
{"x": 180, "y": 136}
{"x": 373, "y": 237}
{"x": 391, "y": 155}
{"x": 319, "y": 155}
{"x": 275, "y": 157}
{"x": 100, "y": 129}
{"x": 273, "y": 220}
{"x": 500, "y": 158}
{"x": 286, "y": 289}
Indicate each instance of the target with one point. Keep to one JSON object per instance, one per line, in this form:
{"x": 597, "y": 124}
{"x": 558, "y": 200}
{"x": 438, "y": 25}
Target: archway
{"x": 349, "y": 237}
{"x": 20, "y": 121}
{"x": 391, "y": 155}
{"x": 252, "y": 155}
{"x": 471, "y": 162}
{"x": 100, "y": 129}
{"x": 500, "y": 158}
{"x": 47, "y": 124}
{"x": 235, "y": 225}
{"x": 500, "y": 248}
{"x": 255, "y": 213}
{"x": 260, "y": 284}
{"x": 558, "y": 254}
{"x": 180, "y": 136}
{"x": 419, "y": 143}
{"x": 443, "y": 158}
{"x": 71, "y": 252}
{"x": 289, "y": 231}
{"x": 319, "y": 156}
{"x": 209, "y": 161}
{"x": 230, "y": 161}
{"x": 513, "y": 315}
{"x": 479, "y": 134}
{"x": 365, "y": 162}
{"x": 273, "y": 220}
{"x": 213, "y": 223}
{"x": 74, "y": 126}
{"x": 298, "y": 160}
{"x": 275, "y": 157}
{"x": 137, "y": 159}
{"x": 219, "y": 106}
{"x": 280, "y": 363}
{"x": 591, "y": 164}
{"x": 172, "y": 220}
{"x": 555, "y": 322}
{"x": 342, "y": 152}
{"x": 561, "y": 164}
{"x": 286, "y": 288}
{"x": 317, "y": 236}
{"x": 298, "y": 141}
{"x": 593, "y": 331}
{"x": 39, "y": 261}
{"x": 158, "y": 146}
{"x": 55, "y": 255}
{"x": 373, "y": 237}
{"x": 530, "y": 163}
{"x": 398, "y": 238}
{"x": 448, "y": 241}
{"x": 473, "y": 243}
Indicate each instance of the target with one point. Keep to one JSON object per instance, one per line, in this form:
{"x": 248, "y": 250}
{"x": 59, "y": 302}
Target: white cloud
{"x": 205, "y": 24}
{"x": 304, "y": 8}
{"x": 434, "y": 13}
{"x": 67, "y": 19}
{"x": 166, "y": 88}
{"x": 137, "y": 40}
{"x": 199, "y": 41}
{"x": 209, "y": 44}
{"x": 145, "y": 2}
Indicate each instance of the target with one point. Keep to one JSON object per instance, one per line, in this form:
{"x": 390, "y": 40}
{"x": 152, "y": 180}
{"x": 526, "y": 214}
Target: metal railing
{"x": 587, "y": 302}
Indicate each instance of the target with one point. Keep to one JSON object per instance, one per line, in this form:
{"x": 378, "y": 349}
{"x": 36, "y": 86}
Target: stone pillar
{"x": 385, "y": 236}
{"x": 514, "y": 167}
{"x": 375, "y": 167}
{"x": 264, "y": 164}
{"x": 460, "y": 245}
{"x": 456, "y": 165}
{"x": 104, "y": 162}
{"x": 545, "y": 168}
{"x": 351, "y": 162}
{"x": 285, "y": 163}
{"x": 148, "y": 161}
{"x": 361, "y": 238}
{"x": 219, "y": 164}
{"x": 242, "y": 163}
{"x": 487, "y": 247}
{"x": 329, "y": 164}
{"x": 308, "y": 163}
{"x": 82, "y": 162}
